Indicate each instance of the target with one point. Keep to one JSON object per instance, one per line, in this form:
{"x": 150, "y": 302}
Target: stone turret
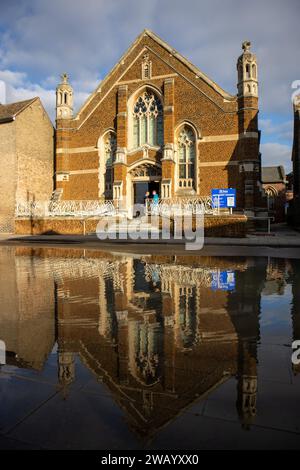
{"x": 64, "y": 99}
{"x": 247, "y": 72}
{"x": 250, "y": 165}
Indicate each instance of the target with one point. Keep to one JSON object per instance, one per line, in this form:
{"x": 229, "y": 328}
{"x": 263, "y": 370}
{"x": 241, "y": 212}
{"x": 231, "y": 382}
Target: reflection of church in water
{"x": 152, "y": 329}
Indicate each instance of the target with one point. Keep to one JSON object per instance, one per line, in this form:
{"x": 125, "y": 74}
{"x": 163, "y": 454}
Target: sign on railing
{"x": 223, "y": 198}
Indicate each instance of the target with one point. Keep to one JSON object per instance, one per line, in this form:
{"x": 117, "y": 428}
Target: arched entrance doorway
{"x": 144, "y": 177}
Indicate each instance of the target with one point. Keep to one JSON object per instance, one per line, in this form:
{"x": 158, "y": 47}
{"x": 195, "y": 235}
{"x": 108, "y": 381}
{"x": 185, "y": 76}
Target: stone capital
{"x": 120, "y": 155}
{"x": 168, "y": 152}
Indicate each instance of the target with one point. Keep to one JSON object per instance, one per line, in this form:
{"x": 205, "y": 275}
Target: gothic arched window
{"x": 271, "y": 197}
{"x": 186, "y": 143}
{"x": 147, "y": 120}
{"x": 187, "y": 316}
{"x": 110, "y": 146}
{"x": 247, "y": 70}
{"x": 145, "y": 349}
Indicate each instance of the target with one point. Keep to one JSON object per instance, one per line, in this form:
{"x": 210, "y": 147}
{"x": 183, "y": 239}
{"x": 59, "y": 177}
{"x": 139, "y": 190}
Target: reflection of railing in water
{"x": 183, "y": 275}
{"x": 83, "y": 268}
{"x": 89, "y": 267}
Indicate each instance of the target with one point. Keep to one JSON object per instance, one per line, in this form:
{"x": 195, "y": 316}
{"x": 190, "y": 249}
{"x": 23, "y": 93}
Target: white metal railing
{"x": 72, "y": 208}
{"x": 93, "y": 208}
{"x": 184, "y": 205}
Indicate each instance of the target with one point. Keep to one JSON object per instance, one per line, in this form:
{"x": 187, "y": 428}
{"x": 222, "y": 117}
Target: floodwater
{"x": 123, "y": 351}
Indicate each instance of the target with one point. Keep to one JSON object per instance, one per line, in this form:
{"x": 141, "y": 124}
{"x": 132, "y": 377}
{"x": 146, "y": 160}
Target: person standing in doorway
{"x": 146, "y": 201}
{"x": 155, "y": 201}
{"x": 155, "y": 197}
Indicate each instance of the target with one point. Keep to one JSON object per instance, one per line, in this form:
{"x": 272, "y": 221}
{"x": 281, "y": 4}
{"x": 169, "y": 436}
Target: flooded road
{"x": 132, "y": 351}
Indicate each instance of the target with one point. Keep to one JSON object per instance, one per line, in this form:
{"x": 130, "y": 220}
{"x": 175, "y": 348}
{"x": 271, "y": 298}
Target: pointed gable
{"x": 166, "y": 60}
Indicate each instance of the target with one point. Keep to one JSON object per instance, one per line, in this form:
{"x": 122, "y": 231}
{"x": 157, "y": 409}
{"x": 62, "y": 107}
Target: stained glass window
{"x": 186, "y": 157}
{"x": 147, "y": 120}
{"x": 110, "y": 146}
{"x": 187, "y": 316}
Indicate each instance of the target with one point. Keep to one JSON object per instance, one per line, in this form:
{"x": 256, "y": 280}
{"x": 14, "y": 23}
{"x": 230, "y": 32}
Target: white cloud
{"x": 87, "y": 38}
{"x": 283, "y": 130}
{"x": 274, "y": 153}
{"x": 14, "y": 78}
{"x": 18, "y": 88}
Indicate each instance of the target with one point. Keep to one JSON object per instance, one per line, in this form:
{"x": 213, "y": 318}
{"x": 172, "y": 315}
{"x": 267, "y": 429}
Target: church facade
{"x": 156, "y": 122}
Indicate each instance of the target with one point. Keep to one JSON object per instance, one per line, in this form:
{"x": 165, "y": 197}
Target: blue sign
{"x": 223, "y": 280}
{"x": 223, "y": 198}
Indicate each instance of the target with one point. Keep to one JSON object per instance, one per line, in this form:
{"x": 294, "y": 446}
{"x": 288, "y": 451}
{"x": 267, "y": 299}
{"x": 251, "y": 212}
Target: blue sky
{"x": 40, "y": 39}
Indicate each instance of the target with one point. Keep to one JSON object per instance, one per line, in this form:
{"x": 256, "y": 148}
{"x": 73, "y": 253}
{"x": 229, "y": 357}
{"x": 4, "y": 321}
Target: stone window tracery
{"x": 271, "y": 193}
{"x": 186, "y": 157}
{"x": 187, "y": 316}
{"x": 110, "y": 147}
{"x": 147, "y": 120}
{"x": 145, "y": 351}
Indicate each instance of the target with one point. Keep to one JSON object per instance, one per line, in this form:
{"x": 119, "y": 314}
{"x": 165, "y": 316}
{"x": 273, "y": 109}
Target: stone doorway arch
{"x": 143, "y": 177}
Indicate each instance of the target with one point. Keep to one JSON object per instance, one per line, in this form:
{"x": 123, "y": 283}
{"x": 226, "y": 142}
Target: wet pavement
{"x": 132, "y": 351}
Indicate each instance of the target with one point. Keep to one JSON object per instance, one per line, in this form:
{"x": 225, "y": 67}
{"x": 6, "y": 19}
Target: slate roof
{"x": 9, "y": 111}
{"x": 273, "y": 174}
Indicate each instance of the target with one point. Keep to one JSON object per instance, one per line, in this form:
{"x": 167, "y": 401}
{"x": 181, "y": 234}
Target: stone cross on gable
{"x": 246, "y": 46}
{"x": 65, "y": 77}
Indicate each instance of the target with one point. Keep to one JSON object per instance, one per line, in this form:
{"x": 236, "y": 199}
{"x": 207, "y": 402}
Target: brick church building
{"x": 157, "y": 122}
